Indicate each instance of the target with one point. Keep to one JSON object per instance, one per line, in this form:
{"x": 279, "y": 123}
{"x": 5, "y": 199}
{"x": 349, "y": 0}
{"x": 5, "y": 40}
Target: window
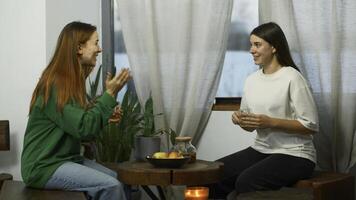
{"x": 121, "y": 59}
{"x": 238, "y": 61}
{"x": 114, "y": 51}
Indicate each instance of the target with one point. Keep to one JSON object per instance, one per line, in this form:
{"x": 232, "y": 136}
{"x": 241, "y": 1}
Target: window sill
{"x": 227, "y": 104}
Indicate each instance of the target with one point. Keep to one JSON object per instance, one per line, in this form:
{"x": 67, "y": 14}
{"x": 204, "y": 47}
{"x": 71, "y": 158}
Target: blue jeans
{"x": 97, "y": 181}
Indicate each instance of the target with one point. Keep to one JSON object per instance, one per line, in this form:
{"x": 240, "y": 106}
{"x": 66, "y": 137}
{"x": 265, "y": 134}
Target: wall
{"x": 29, "y": 30}
{"x": 22, "y": 57}
{"x": 221, "y": 137}
{"x": 59, "y": 13}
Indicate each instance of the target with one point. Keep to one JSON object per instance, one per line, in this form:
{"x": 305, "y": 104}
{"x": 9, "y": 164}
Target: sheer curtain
{"x": 321, "y": 35}
{"x": 176, "y": 50}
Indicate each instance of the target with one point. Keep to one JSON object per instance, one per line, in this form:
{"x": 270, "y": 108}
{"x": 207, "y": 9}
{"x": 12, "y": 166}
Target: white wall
{"x": 221, "y": 137}
{"x": 29, "y": 30}
{"x": 59, "y": 13}
{"x": 22, "y": 57}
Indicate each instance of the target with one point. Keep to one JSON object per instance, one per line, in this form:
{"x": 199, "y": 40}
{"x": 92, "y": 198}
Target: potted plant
{"x": 115, "y": 142}
{"x": 149, "y": 141}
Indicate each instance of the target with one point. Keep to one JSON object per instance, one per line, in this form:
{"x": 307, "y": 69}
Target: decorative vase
{"x": 184, "y": 146}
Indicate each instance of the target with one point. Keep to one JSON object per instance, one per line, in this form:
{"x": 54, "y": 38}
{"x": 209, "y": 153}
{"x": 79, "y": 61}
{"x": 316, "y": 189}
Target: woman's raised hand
{"x": 115, "y": 84}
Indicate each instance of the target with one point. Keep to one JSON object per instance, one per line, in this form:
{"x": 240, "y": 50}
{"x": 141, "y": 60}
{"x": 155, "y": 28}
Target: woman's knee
{"x": 110, "y": 182}
{"x": 112, "y": 173}
{"x": 247, "y": 183}
{"x": 114, "y": 183}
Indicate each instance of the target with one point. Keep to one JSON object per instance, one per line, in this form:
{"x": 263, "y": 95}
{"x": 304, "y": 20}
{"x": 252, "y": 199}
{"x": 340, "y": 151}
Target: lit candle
{"x": 197, "y": 193}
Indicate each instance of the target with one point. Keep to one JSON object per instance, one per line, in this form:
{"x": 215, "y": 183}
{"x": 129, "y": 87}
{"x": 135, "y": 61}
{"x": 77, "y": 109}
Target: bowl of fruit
{"x": 167, "y": 160}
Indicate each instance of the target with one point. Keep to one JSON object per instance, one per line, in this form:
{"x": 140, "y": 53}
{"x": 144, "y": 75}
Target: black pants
{"x": 249, "y": 170}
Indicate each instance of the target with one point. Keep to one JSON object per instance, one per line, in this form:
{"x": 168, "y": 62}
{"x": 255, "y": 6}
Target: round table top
{"x": 143, "y": 173}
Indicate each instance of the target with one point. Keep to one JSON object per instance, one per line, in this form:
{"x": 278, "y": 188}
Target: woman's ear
{"x": 79, "y": 49}
{"x": 274, "y": 50}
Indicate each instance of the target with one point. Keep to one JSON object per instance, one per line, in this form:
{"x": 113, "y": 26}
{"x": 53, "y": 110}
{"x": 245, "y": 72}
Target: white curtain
{"x": 176, "y": 50}
{"x": 322, "y": 37}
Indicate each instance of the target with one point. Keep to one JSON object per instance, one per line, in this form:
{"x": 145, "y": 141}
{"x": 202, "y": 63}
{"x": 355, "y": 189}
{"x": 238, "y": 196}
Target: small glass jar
{"x": 184, "y": 146}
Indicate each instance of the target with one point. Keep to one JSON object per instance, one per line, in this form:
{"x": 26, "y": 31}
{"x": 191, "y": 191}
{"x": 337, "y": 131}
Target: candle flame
{"x": 197, "y": 193}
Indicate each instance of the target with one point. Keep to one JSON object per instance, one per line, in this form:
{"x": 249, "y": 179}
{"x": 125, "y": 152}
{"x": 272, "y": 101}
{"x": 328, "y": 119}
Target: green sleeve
{"x": 79, "y": 122}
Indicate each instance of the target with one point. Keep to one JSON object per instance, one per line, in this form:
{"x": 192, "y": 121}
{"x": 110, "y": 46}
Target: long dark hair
{"x": 274, "y": 35}
{"x": 64, "y": 71}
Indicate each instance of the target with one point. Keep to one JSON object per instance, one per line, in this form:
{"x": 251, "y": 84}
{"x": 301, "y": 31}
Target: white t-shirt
{"x": 284, "y": 94}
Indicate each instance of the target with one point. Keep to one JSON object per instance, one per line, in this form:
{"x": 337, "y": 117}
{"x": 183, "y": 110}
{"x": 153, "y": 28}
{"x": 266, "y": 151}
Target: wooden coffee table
{"x": 200, "y": 172}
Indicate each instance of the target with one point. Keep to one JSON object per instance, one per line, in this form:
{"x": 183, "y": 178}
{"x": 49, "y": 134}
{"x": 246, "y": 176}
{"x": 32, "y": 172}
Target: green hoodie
{"x": 53, "y": 137}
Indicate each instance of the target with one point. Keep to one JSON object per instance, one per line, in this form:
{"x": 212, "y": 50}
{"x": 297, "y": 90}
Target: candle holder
{"x": 196, "y": 193}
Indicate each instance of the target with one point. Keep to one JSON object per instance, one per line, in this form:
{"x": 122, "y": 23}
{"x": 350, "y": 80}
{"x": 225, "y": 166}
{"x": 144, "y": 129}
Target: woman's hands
{"x": 115, "y": 84}
{"x": 250, "y": 121}
{"x": 116, "y": 115}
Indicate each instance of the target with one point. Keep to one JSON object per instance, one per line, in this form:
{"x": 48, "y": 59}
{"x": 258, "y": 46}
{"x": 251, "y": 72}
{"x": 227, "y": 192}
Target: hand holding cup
{"x": 237, "y": 116}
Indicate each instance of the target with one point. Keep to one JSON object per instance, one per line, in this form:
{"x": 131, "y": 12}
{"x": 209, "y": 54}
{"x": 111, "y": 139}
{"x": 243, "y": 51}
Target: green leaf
{"x": 173, "y": 136}
{"x": 94, "y": 87}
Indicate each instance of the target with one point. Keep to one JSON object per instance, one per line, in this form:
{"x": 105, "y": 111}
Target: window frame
{"x": 226, "y": 104}
{"x": 107, "y": 38}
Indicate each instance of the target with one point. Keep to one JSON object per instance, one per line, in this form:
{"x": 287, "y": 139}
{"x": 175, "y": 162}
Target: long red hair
{"x": 64, "y": 72}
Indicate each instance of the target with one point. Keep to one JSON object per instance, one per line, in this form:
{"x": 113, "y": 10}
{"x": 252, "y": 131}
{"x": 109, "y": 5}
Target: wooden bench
{"x": 4, "y": 177}
{"x": 329, "y": 185}
{"x": 4, "y": 135}
{"x": 321, "y": 186}
{"x": 16, "y": 190}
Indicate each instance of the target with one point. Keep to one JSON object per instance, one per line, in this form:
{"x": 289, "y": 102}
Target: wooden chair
{"x": 16, "y": 190}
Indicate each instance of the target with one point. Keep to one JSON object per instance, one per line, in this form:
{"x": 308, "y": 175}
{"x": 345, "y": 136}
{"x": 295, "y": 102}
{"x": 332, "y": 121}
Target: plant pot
{"x": 146, "y": 146}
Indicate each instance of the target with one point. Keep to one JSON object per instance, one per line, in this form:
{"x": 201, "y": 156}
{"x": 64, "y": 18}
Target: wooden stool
{"x": 329, "y": 185}
{"x": 16, "y": 190}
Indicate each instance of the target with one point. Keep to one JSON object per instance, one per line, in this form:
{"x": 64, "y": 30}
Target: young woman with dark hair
{"x": 60, "y": 117}
{"x": 273, "y": 34}
{"x": 278, "y": 105}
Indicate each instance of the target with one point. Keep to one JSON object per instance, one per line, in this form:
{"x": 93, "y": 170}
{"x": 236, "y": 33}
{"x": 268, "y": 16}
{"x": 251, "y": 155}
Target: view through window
{"x": 238, "y": 62}
{"x": 121, "y": 59}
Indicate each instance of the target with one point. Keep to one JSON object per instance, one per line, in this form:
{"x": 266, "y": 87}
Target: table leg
{"x": 161, "y": 193}
{"x": 149, "y": 192}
